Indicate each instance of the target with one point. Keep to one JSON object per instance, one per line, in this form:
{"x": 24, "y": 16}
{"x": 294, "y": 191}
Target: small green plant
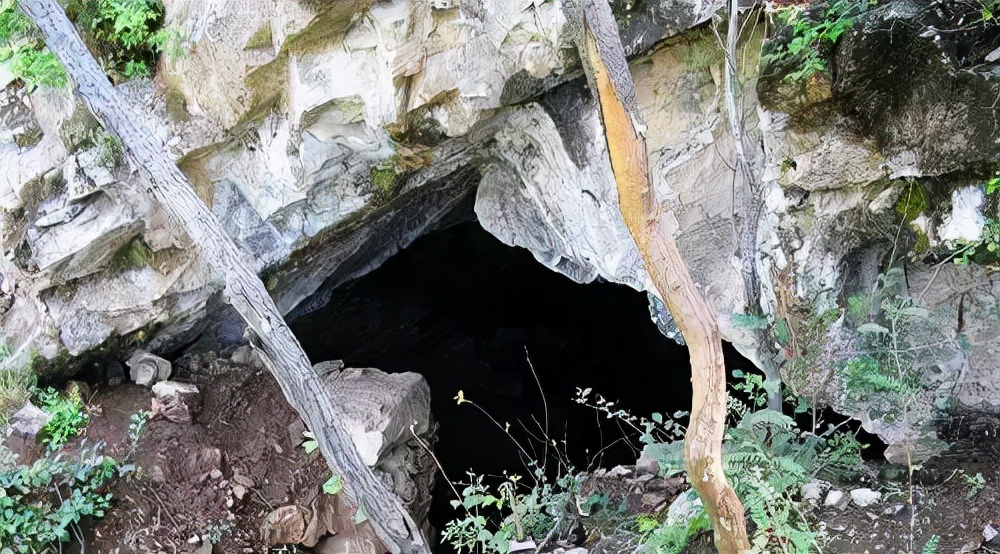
{"x": 136, "y": 423}
{"x": 992, "y": 185}
{"x": 811, "y": 38}
{"x": 986, "y": 250}
{"x": 974, "y": 483}
{"x": 931, "y": 546}
{"x": 335, "y": 483}
{"x": 474, "y": 532}
{"x": 494, "y": 516}
{"x": 69, "y": 416}
{"x": 218, "y": 530}
{"x": 663, "y": 537}
{"x": 41, "y": 505}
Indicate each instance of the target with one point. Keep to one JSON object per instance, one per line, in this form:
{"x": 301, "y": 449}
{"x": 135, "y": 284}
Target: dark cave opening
{"x": 461, "y": 308}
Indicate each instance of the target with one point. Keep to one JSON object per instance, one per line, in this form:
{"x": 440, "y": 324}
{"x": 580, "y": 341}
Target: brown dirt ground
{"x": 245, "y": 427}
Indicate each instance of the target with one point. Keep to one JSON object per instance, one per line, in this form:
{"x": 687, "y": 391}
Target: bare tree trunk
{"x": 653, "y": 233}
{"x": 244, "y": 290}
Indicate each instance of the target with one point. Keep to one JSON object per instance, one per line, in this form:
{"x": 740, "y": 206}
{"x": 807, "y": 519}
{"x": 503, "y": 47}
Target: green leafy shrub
{"x": 42, "y": 504}
{"x": 69, "y": 416}
{"x": 126, "y": 34}
{"x": 669, "y": 538}
{"x": 494, "y": 516}
{"x": 811, "y": 37}
{"x": 24, "y": 53}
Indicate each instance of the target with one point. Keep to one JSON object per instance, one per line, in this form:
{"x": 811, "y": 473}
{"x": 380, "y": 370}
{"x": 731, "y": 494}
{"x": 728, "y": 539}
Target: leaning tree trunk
{"x": 278, "y": 347}
{"x": 653, "y": 234}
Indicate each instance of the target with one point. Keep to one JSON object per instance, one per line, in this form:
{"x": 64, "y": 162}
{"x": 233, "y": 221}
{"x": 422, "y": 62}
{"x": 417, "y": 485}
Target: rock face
{"x": 387, "y": 416}
{"x": 322, "y": 177}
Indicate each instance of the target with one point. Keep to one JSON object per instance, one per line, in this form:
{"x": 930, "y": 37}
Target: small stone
{"x": 990, "y": 533}
{"x": 833, "y": 498}
{"x": 812, "y": 491}
{"x": 577, "y": 550}
{"x": 239, "y": 491}
{"x": 177, "y": 402}
{"x": 229, "y": 502}
{"x": 29, "y": 420}
{"x": 522, "y": 546}
{"x": 646, "y": 466}
{"x": 195, "y": 539}
{"x": 285, "y": 525}
{"x": 865, "y": 497}
{"x": 242, "y": 479}
{"x": 215, "y": 473}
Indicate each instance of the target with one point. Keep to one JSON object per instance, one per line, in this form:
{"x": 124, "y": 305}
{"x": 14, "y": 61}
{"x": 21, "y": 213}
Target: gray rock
{"x": 991, "y": 535}
{"x": 833, "y": 498}
{"x": 145, "y": 369}
{"x": 812, "y": 491}
{"x": 684, "y": 508}
{"x": 177, "y": 402}
{"x": 865, "y": 497}
{"x": 29, "y": 420}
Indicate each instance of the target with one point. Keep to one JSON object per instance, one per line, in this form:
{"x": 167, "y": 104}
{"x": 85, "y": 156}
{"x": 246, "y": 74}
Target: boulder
{"x": 145, "y": 369}
{"x": 864, "y": 497}
{"x": 29, "y": 421}
{"x": 383, "y": 413}
{"x": 177, "y": 402}
{"x": 284, "y": 525}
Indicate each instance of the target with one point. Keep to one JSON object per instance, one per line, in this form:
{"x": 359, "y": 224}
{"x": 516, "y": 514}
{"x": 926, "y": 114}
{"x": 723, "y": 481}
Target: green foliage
{"x": 867, "y": 376}
{"x": 69, "y": 416}
{"x": 669, "y": 538}
{"x": 975, "y": 483}
{"x": 884, "y": 375}
{"x": 810, "y": 38}
{"x": 984, "y": 251}
{"x": 136, "y": 423}
{"x": 931, "y": 546}
{"x": 749, "y": 321}
{"x": 859, "y": 306}
{"x": 493, "y": 516}
{"x": 988, "y": 10}
{"x": 126, "y": 34}
{"x": 992, "y": 185}
{"x": 310, "y": 444}
{"x": 23, "y": 51}
{"x": 769, "y": 459}
{"x": 333, "y": 485}
{"x": 42, "y": 504}
{"x": 384, "y": 175}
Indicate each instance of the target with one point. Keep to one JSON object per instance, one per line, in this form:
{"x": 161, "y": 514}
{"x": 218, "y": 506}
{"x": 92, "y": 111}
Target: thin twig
{"x": 164, "y": 507}
{"x": 545, "y": 406}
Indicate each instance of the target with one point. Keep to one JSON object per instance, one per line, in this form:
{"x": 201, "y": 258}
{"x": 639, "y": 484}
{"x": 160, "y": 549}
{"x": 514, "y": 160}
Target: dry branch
{"x": 244, "y": 290}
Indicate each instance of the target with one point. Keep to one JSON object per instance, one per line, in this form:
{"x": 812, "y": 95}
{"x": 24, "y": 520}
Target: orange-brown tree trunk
{"x": 653, "y": 232}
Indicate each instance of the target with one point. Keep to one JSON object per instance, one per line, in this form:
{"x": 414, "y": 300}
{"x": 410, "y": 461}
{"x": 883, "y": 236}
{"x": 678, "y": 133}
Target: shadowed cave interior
{"x": 462, "y": 308}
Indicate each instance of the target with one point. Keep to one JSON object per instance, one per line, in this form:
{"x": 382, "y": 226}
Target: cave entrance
{"x": 462, "y": 308}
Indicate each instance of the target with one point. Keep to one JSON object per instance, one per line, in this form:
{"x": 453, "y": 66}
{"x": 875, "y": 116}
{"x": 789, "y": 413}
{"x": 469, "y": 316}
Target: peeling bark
{"x": 653, "y": 233}
{"x": 278, "y": 347}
